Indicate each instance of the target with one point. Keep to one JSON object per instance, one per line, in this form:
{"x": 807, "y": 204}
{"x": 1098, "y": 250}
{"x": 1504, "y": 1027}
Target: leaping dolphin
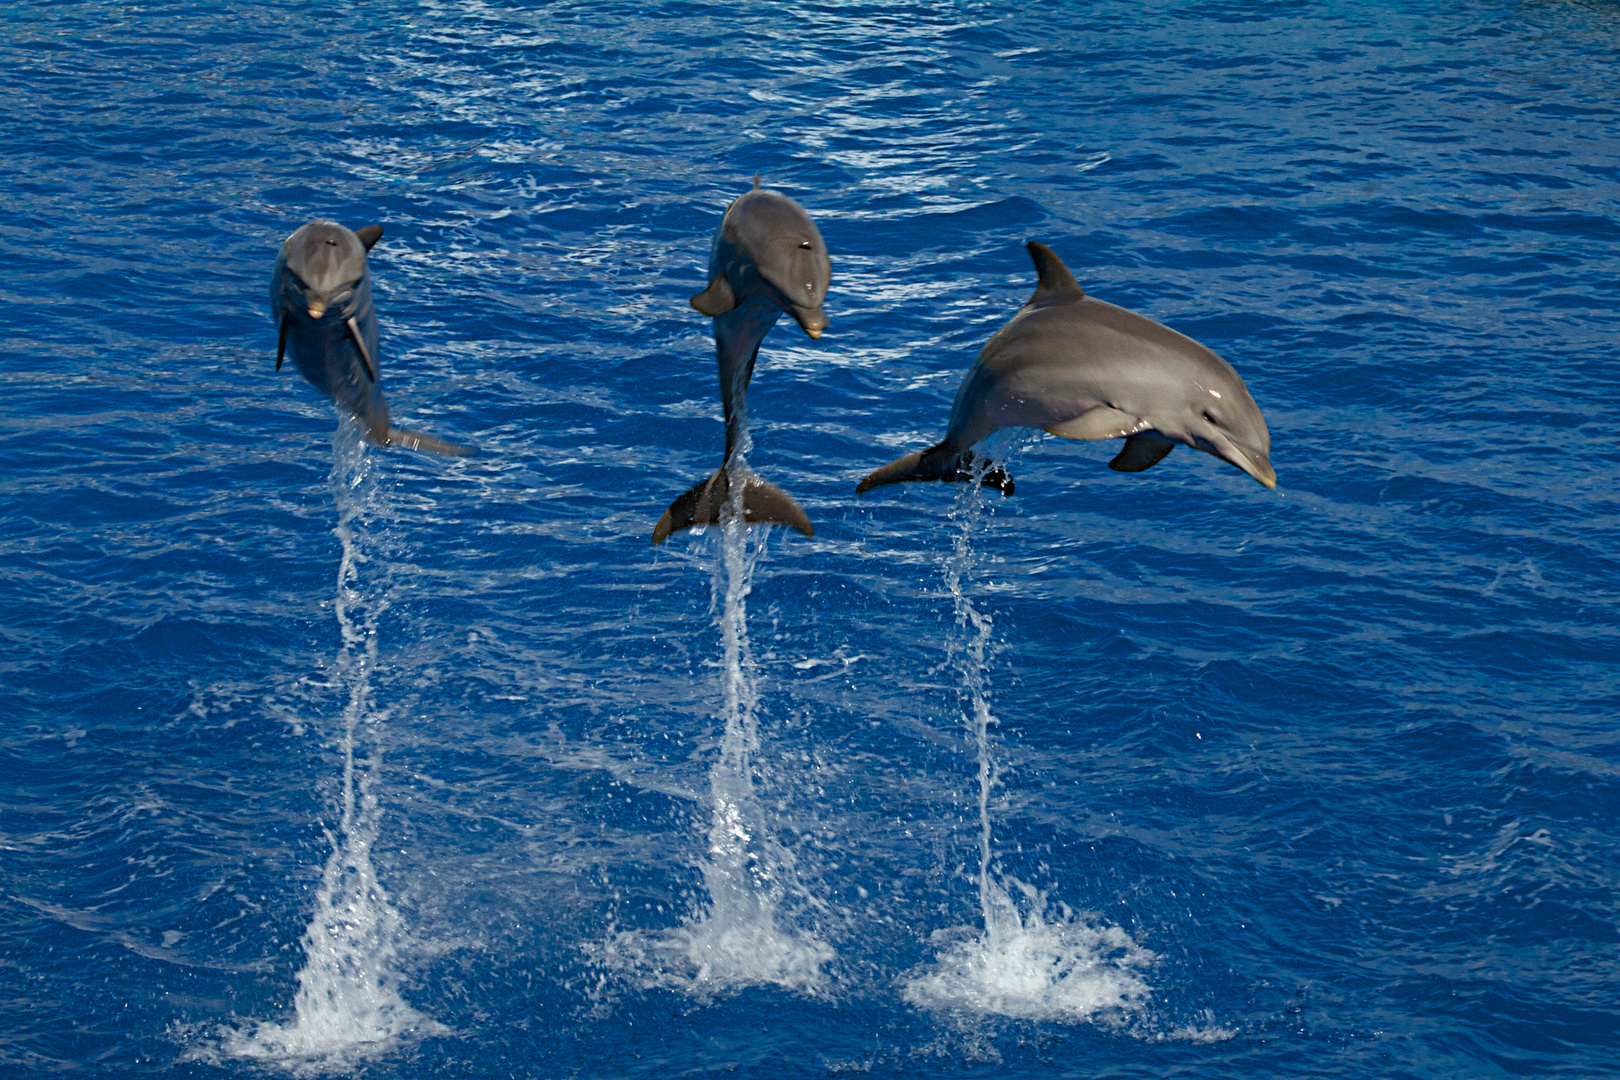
{"x": 320, "y": 299}
{"x": 767, "y": 258}
{"x": 1084, "y": 369}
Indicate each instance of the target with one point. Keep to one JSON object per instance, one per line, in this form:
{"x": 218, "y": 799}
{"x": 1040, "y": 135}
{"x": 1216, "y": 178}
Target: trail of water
{"x": 739, "y": 938}
{"x": 348, "y": 1007}
{"x": 1031, "y": 959}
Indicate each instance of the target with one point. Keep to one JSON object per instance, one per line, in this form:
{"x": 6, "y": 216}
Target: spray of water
{"x": 740, "y": 937}
{"x": 1031, "y": 959}
{"x": 348, "y": 1007}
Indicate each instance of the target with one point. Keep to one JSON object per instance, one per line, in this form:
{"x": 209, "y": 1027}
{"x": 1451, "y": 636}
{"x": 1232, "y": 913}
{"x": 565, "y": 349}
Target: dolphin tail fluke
{"x": 417, "y": 440}
{"x": 939, "y": 462}
{"x": 763, "y": 503}
{"x": 923, "y": 465}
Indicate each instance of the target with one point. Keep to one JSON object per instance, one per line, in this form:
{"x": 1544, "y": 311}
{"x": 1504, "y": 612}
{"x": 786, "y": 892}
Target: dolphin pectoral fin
{"x": 941, "y": 461}
{"x": 1056, "y": 283}
{"x": 763, "y": 503}
{"x": 360, "y": 343}
{"x": 1099, "y": 423}
{"x": 1141, "y": 452}
{"x": 717, "y": 299}
{"x": 369, "y": 235}
{"x": 281, "y": 343}
{"x": 418, "y": 440}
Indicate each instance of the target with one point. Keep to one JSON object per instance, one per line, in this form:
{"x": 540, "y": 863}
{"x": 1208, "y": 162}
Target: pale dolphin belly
{"x": 327, "y": 355}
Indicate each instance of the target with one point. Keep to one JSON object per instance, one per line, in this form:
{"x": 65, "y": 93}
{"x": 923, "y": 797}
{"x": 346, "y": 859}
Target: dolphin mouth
{"x": 1253, "y": 462}
{"x": 814, "y": 320}
{"x": 316, "y": 309}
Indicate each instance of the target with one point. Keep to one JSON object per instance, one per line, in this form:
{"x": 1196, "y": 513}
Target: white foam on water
{"x": 348, "y": 1007}
{"x": 1209, "y": 1032}
{"x": 1029, "y": 961}
{"x": 740, "y": 937}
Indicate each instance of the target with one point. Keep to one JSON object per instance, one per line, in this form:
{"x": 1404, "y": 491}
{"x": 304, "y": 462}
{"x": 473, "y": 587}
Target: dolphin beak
{"x": 317, "y": 308}
{"x": 1255, "y": 464}
{"x": 814, "y": 320}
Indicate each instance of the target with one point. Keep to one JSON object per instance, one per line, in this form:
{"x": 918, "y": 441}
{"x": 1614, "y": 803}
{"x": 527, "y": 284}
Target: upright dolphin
{"x": 767, "y": 258}
{"x": 1084, "y": 369}
{"x": 320, "y": 299}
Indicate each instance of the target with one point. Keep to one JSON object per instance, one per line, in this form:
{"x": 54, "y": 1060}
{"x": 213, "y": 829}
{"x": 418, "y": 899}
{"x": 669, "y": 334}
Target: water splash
{"x": 1031, "y": 959}
{"x": 348, "y": 1007}
{"x": 739, "y": 938}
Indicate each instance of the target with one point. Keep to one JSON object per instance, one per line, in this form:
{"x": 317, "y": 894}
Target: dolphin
{"x": 767, "y": 258}
{"x": 1085, "y": 369}
{"x": 320, "y": 299}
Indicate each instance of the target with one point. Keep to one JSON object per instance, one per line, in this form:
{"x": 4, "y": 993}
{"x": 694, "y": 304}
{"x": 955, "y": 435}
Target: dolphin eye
{"x": 1210, "y": 417}
{"x": 805, "y": 244}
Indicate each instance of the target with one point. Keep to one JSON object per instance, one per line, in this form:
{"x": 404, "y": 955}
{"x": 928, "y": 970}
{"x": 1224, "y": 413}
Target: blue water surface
{"x": 1321, "y": 782}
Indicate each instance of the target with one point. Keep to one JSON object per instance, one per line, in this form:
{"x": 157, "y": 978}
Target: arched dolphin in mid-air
{"x": 320, "y": 299}
{"x": 767, "y": 258}
{"x": 1084, "y": 369}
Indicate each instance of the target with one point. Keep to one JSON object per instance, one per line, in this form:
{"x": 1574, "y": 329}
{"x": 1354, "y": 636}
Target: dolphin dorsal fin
{"x": 1057, "y": 284}
{"x": 369, "y": 234}
{"x": 756, "y": 181}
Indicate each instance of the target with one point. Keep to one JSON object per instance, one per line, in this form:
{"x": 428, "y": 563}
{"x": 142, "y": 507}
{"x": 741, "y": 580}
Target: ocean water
{"x": 321, "y": 759}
